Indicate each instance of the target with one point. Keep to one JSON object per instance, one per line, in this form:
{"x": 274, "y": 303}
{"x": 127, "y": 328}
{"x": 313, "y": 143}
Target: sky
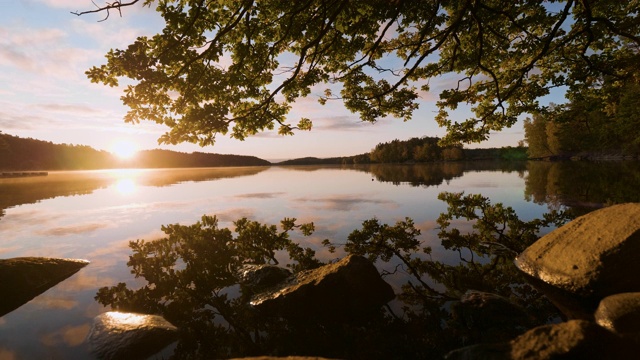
{"x": 45, "y": 94}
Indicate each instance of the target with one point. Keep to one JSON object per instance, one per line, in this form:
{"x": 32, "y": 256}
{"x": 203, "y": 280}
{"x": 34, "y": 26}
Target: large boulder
{"x": 620, "y": 313}
{"x": 117, "y": 335}
{"x": 588, "y": 259}
{"x": 345, "y": 290}
{"x": 23, "y": 278}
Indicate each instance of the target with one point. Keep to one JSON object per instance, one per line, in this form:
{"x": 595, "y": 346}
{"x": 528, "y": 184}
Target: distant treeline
{"x": 417, "y": 150}
{"x": 600, "y": 123}
{"x": 30, "y": 154}
{"x": 171, "y": 159}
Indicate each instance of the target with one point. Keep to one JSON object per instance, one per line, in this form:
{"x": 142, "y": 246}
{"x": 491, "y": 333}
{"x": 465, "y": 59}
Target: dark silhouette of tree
{"x": 503, "y": 57}
{"x": 31, "y": 154}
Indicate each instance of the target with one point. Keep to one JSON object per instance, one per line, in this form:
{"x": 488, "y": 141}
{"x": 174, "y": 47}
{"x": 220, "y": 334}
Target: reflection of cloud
{"x": 74, "y": 229}
{"x": 55, "y": 303}
{"x": 260, "y": 195}
{"x": 69, "y": 335}
{"x": 344, "y": 202}
{"x": 229, "y": 215}
{"x": 22, "y": 217}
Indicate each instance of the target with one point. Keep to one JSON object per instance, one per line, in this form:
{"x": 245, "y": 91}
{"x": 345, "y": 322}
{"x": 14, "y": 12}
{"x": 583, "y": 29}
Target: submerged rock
{"x": 22, "y": 279}
{"x": 490, "y": 317}
{"x": 345, "y": 290}
{"x": 587, "y": 259}
{"x": 260, "y": 277}
{"x": 117, "y": 335}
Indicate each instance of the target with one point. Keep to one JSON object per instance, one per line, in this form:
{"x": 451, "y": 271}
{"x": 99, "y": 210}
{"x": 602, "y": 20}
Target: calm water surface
{"x": 94, "y": 214}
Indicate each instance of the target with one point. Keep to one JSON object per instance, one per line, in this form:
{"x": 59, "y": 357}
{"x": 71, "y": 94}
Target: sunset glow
{"x": 124, "y": 149}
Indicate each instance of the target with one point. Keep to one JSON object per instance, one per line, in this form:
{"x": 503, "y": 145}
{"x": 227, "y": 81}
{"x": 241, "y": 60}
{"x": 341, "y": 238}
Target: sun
{"x": 124, "y": 149}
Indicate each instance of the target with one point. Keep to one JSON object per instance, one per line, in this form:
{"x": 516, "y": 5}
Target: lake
{"x": 94, "y": 215}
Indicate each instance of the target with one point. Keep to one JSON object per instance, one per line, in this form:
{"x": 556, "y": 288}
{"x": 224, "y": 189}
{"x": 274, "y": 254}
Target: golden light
{"x": 124, "y": 149}
{"x": 126, "y": 186}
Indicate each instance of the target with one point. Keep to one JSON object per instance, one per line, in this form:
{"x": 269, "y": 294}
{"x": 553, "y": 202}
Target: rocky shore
{"x": 588, "y": 269}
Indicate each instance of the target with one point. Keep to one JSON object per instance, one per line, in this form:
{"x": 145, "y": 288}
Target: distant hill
{"x": 30, "y": 154}
{"x": 166, "y": 158}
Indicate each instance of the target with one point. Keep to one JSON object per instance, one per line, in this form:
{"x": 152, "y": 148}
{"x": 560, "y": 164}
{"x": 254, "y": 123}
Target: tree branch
{"x": 114, "y": 5}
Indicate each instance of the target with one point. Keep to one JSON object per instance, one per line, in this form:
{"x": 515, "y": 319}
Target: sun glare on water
{"x": 124, "y": 149}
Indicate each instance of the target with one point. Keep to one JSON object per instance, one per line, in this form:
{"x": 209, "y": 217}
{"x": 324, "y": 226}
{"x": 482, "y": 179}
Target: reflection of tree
{"x": 582, "y": 186}
{"x": 18, "y": 191}
{"x": 433, "y": 174}
{"x": 192, "y": 280}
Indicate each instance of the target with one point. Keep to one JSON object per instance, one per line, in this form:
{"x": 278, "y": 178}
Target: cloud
{"x": 68, "y": 108}
{"x": 32, "y": 50}
{"x": 340, "y": 123}
{"x": 62, "y": 3}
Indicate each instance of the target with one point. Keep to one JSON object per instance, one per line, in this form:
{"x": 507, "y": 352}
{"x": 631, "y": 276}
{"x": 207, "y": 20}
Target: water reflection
{"x": 582, "y": 186}
{"x": 81, "y": 214}
{"x": 193, "y": 280}
{"x": 126, "y": 186}
{"x": 28, "y": 190}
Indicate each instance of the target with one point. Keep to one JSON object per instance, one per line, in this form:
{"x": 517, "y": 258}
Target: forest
{"x": 587, "y": 126}
{"x": 30, "y": 154}
{"x": 417, "y": 150}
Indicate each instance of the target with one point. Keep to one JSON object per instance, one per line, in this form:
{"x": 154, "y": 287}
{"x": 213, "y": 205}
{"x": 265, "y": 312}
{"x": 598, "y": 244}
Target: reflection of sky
{"x": 99, "y": 225}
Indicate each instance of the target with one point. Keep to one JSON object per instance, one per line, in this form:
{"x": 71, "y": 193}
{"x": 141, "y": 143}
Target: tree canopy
{"x": 236, "y": 67}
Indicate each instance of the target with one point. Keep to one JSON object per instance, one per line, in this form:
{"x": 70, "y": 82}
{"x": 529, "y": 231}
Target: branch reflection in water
{"x": 192, "y": 280}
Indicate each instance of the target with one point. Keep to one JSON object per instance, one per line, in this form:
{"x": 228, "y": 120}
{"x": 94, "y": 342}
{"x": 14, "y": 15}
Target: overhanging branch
{"x": 114, "y": 5}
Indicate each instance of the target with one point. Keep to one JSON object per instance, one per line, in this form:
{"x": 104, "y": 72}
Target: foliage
{"x": 238, "y": 66}
{"x": 422, "y": 149}
{"x": 31, "y": 154}
{"x": 191, "y": 275}
{"x": 587, "y": 124}
{"x": 507, "y": 153}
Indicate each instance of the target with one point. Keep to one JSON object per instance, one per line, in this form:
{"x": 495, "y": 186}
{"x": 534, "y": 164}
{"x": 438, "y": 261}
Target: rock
{"x": 281, "y": 358}
{"x": 116, "y": 335}
{"x": 490, "y": 317}
{"x": 497, "y": 351}
{"x": 574, "y": 339}
{"x": 620, "y": 313}
{"x": 343, "y": 291}
{"x": 587, "y": 259}
{"x": 261, "y": 277}
{"x": 22, "y": 279}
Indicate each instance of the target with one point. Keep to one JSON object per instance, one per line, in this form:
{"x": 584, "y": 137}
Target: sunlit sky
{"x": 44, "y": 93}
